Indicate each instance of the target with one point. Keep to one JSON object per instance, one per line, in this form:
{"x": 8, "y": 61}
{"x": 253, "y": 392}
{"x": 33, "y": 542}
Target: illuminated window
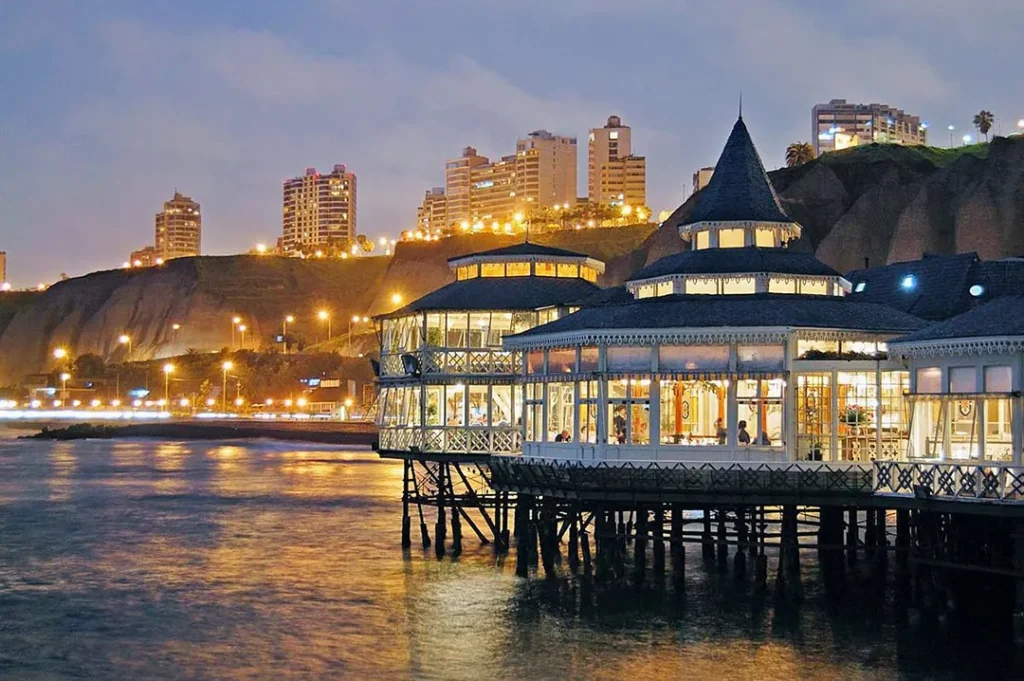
{"x": 491, "y": 269}
{"x": 693, "y": 412}
{"x": 629, "y": 417}
{"x": 613, "y": 135}
{"x": 814, "y": 287}
{"x": 817, "y": 349}
{"x": 589, "y": 273}
{"x": 545, "y": 269}
{"x": 535, "y": 362}
{"x": 561, "y": 360}
{"x": 731, "y": 238}
{"x": 587, "y": 411}
{"x": 517, "y": 269}
{"x": 814, "y": 416}
{"x": 701, "y": 287}
{"x": 467, "y": 272}
{"x": 765, "y": 238}
{"x": 645, "y": 291}
{"x": 665, "y": 288}
{"x": 781, "y": 285}
{"x": 560, "y": 412}
{"x": 702, "y": 241}
{"x": 568, "y": 270}
{"x": 742, "y": 285}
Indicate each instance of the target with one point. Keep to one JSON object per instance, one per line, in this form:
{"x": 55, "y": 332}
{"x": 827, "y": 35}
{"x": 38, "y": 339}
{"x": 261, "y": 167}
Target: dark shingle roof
{"x": 732, "y": 260}
{"x": 525, "y": 249}
{"x": 739, "y": 189}
{"x": 939, "y": 291}
{"x": 761, "y": 309}
{"x": 515, "y": 293}
{"x": 1002, "y": 316}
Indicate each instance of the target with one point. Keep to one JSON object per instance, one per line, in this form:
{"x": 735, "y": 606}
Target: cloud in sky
{"x": 111, "y": 109}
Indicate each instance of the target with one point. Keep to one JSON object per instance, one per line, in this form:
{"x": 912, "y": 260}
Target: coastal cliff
{"x": 880, "y": 203}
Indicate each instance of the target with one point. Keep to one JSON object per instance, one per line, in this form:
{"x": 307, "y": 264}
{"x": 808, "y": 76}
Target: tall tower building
{"x": 319, "y": 208}
{"x": 458, "y": 182}
{"x": 546, "y": 169}
{"x": 432, "y": 215}
{"x": 840, "y": 124}
{"x": 3, "y": 267}
{"x": 615, "y": 174}
{"x": 178, "y": 228}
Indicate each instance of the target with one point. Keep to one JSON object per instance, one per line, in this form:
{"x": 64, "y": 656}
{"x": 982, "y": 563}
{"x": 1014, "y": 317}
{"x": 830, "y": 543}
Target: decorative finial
{"x": 741, "y": 105}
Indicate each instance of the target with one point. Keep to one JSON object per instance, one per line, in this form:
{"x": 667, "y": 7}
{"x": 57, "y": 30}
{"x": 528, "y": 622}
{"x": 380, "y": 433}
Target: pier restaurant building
{"x": 966, "y": 378}
{"x": 737, "y": 349}
{"x": 446, "y": 385}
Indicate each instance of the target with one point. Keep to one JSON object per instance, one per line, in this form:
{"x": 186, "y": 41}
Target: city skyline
{"x": 90, "y": 92}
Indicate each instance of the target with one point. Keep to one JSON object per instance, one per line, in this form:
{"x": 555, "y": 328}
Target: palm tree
{"x": 799, "y": 153}
{"x": 983, "y": 122}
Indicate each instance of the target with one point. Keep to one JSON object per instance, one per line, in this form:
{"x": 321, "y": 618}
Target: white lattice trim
{"x": 959, "y": 347}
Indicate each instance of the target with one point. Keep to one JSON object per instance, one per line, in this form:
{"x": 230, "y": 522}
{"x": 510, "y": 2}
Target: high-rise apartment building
{"x": 546, "y": 169}
{"x": 492, "y": 191}
{"x": 457, "y": 183}
{"x": 432, "y": 215}
{"x": 3, "y": 267}
{"x": 615, "y": 174}
{"x": 701, "y": 178}
{"x": 178, "y": 228}
{"x": 839, "y": 124}
{"x": 319, "y": 208}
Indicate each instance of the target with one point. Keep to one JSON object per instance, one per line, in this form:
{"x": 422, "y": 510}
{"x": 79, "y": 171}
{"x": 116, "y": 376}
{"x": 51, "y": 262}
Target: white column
{"x": 834, "y": 407}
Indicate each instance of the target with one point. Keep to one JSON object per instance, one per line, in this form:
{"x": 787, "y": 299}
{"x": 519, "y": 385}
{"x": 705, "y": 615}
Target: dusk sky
{"x": 108, "y": 106}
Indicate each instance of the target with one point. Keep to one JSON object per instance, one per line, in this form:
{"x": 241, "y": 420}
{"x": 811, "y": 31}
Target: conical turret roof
{"x": 739, "y": 190}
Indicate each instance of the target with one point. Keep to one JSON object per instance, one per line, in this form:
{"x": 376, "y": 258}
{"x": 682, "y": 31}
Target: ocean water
{"x": 266, "y": 560}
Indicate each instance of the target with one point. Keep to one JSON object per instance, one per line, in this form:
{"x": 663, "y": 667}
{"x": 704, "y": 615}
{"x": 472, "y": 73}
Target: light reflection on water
{"x": 146, "y": 559}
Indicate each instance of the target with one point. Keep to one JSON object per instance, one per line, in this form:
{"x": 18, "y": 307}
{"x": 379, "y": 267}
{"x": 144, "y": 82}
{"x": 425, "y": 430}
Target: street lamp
{"x": 168, "y": 370}
{"x": 967, "y": 140}
{"x": 284, "y": 330}
{"x": 355, "y": 320}
{"x": 951, "y": 128}
{"x": 125, "y": 339}
{"x": 1020, "y": 124}
{"x": 60, "y": 353}
{"x": 396, "y": 298}
{"x": 241, "y": 328}
{"x": 235, "y": 321}
{"x": 64, "y": 386}
{"x": 226, "y": 366}
{"x": 325, "y": 316}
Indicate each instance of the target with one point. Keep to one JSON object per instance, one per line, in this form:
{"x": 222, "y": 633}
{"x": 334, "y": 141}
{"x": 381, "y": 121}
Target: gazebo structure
{"x": 738, "y": 349}
{"x": 448, "y": 397}
{"x": 446, "y": 384}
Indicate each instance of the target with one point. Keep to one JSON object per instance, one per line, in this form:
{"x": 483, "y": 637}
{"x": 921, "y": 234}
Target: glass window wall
{"x": 629, "y": 407}
{"x": 693, "y": 412}
{"x": 760, "y": 413}
{"x": 814, "y": 416}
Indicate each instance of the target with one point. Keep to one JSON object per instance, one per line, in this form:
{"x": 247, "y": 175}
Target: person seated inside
{"x": 720, "y": 432}
{"x": 563, "y": 437}
{"x": 742, "y": 436}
